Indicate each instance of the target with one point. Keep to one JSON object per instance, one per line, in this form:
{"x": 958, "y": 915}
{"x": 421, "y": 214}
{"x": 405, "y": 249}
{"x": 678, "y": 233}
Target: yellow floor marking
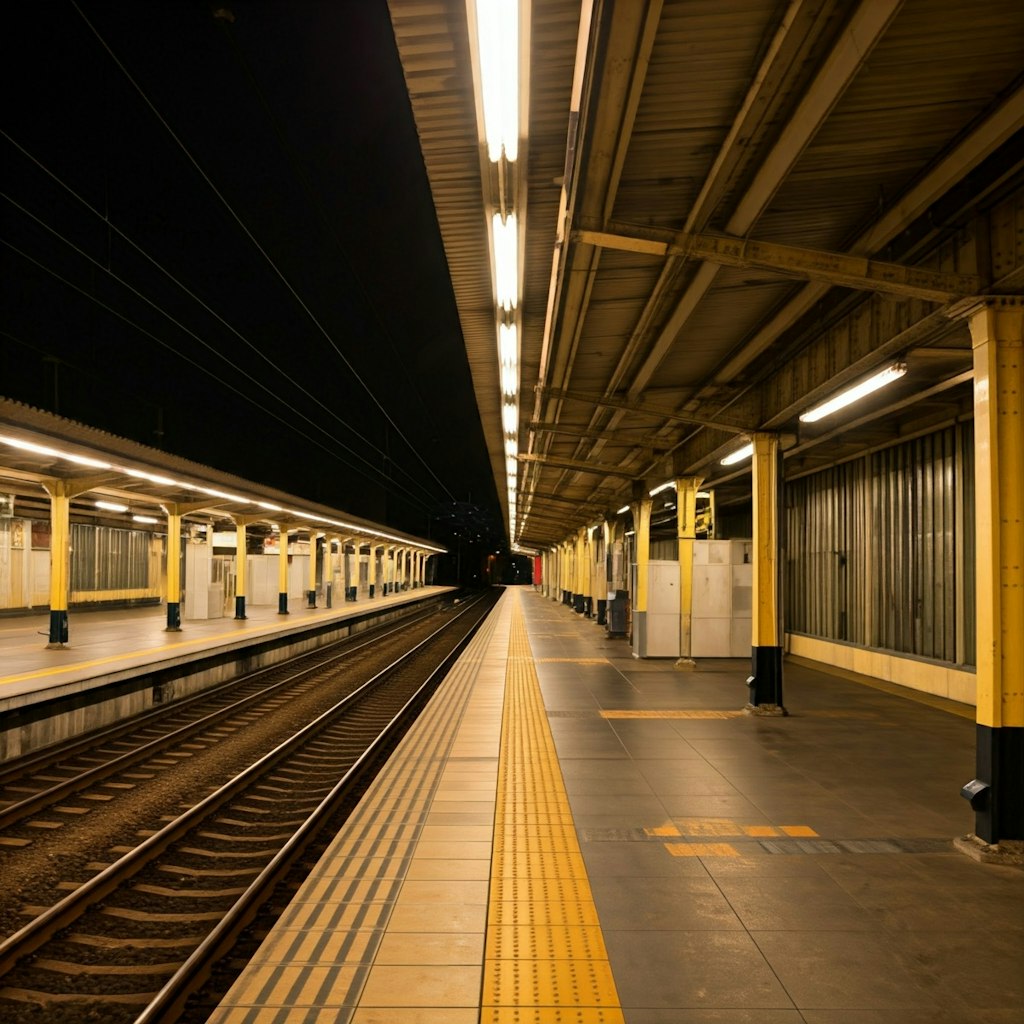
{"x": 760, "y": 830}
{"x": 545, "y": 956}
{"x": 798, "y": 830}
{"x": 664, "y": 831}
{"x": 572, "y": 661}
{"x": 708, "y": 827}
{"x": 672, "y": 714}
{"x": 702, "y": 850}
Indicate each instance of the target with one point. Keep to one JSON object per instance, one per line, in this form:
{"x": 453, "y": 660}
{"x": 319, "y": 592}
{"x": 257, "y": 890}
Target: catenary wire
{"x": 238, "y": 220}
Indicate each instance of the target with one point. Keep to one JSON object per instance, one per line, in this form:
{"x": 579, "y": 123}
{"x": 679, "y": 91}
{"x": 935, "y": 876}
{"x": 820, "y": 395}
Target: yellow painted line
{"x": 573, "y": 661}
{"x": 798, "y": 830}
{"x": 760, "y": 831}
{"x": 202, "y": 641}
{"x": 545, "y": 958}
{"x": 702, "y": 850}
{"x": 673, "y": 714}
{"x": 663, "y": 831}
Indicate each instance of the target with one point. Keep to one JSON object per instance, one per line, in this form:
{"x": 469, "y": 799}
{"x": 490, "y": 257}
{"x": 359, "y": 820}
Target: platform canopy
{"x": 726, "y": 212}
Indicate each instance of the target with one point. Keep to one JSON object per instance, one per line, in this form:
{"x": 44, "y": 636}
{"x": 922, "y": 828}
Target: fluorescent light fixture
{"x": 844, "y": 398}
{"x": 508, "y": 344}
{"x": 144, "y": 519}
{"x": 660, "y": 488}
{"x": 739, "y": 455}
{"x": 511, "y": 447}
{"x": 497, "y": 28}
{"x": 623, "y": 510}
{"x": 152, "y": 477}
{"x": 631, "y": 533}
{"x": 111, "y": 506}
{"x": 222, "y": 494}
{"x": 506, "y": 260}
{"x": 510, "y": 418}
{"x": 268, "y": 505}
{"x": 703, "y": 494}
{"x": 509, "y": 380}
{"x": 511, "y": 466}
{"x": 82, "y": 460}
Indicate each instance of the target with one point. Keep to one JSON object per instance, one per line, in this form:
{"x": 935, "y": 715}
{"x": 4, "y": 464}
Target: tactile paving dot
{"x": 545, "y": 960}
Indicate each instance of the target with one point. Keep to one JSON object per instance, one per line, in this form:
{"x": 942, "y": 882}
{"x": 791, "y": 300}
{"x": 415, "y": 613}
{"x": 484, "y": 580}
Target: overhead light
{"x": 703, "y": 494}
{"x": 39, "y": 449}
{"x": 152, "y": 477}
{"x": 213, "y": 492}
{"x": 509, "y": 380}
{"x": 739, "y": 455}
{"x": 511, "y": 466}
{"x": 621, "y": 511}
{"x": 511, "y": 447}
{"x": 497, "y": 29}
{"x": 660, "y": 488}
{"x": 144, "y": 519}
{"x": 510, "y": 418}
{"x": 111, "y": 506}
{"x": 865, "y": 387}
{"x": 506, "y": 260}
{"x": 508, "y": 344}
{"x": 268, "y": 505}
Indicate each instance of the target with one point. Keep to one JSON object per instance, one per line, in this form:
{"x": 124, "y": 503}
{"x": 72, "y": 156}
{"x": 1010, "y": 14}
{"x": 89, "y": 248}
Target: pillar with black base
{"x": 311, "y": 591}
{"x": 686, "y": 533}
{"x": 765, "y": 680}
{"x": 642, "y": 543}
{"x": 173, "y": 573}
{"x": 997, "y": 793}
{"x": 282, "y": 569}
{"x": 241, "y": 562}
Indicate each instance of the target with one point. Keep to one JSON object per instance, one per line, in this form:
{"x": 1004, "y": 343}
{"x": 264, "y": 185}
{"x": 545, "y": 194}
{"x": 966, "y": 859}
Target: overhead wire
{"x": 198, "y": 365}
{"x": 279, "y": 371}
{"x": 252, "y": 238}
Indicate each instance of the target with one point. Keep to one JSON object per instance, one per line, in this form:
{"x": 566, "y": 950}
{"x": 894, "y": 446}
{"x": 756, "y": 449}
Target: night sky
{"x": 218, "y": 239}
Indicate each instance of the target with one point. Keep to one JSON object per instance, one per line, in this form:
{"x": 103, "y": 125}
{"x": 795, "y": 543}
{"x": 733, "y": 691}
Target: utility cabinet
{"x": 722, "y": 598}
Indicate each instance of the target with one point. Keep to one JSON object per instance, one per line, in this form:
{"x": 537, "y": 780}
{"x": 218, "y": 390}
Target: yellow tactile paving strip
{"x": 545, "y": 961}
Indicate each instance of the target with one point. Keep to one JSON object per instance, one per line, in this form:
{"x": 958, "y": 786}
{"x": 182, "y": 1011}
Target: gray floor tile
{"x": 688, "y": 969}
{"x": 663, "y": 904}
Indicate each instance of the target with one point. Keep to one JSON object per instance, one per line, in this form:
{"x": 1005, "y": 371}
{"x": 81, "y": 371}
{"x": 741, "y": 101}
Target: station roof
{"x": 730, "y": 211}
{"x": 38, "y": 449}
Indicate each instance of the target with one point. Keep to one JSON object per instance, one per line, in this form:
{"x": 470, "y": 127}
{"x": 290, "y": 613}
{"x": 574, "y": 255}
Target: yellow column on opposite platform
{"x": 545, "y": 957}
{"x": 642, "y": 542}
{"x": 686, "y": 533}
{"x": 282, "y": 569}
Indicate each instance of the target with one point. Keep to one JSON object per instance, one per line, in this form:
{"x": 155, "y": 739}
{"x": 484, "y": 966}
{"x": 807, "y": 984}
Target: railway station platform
{"x": 568, "y": 834}
{"x": 116, "y": 658}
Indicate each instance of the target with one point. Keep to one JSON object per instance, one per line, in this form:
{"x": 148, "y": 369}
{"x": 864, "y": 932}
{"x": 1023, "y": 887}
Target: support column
{"x": 765, "y": 681}
{"x": 686, "y": 533}
{"x": 642, "y": 536}
{"x": 372, "y": 574}
{"x": 60, "y": 557}
{"x": 311, "y": 590}
{"x": 175, "y": 511}
{"x": 328, "y": 569}
{"x": 997, "y": 794}
{"x": 61, "y": 492}
{"x": 241, "y": 522}
{"x": 282, "y": 569}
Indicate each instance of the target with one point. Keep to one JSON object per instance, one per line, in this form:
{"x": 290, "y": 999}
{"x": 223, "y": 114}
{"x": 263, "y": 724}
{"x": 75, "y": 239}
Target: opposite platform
{"x": 107, "y": 646}
{"x": 688, "y": 864}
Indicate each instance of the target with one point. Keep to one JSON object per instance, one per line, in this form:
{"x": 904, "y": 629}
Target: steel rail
{"x": 42, "y": 928}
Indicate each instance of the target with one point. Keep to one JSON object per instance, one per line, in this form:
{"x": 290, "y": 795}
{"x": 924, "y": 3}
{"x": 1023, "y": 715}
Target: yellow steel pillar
{"x": 642, "y": 541}
{"x": 174, "y": 512}
{"x": 765, "y": 679}
{"x": 588, "y": 572}
{"x": 282, "y": 569}
{"x": 328, "y": 570}
{"x": 311, "y": 589}
{"x": 241, "y": 522}
{"x": 997, "y": 794}
{"x": 686, "y": 534}
{"x": 61, "y": 492}
{"x": 373, "y": 576}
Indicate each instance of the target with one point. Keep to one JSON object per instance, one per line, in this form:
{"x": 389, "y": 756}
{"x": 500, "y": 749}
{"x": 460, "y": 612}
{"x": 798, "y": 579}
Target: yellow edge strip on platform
{"x": 201, "y": 641}
{"x": 545, "y": 953}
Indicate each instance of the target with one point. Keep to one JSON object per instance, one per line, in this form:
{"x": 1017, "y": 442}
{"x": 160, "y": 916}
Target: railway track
{"x": 134, "y": 940}
{"x": 47, "y": 778}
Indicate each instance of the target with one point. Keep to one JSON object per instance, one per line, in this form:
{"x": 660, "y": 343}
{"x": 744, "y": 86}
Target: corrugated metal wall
{"x": 103, "y": 558}
{"x": 880, "y": 551}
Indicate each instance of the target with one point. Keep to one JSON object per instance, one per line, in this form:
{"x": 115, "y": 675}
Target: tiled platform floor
{"x": 769, "y": 871}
